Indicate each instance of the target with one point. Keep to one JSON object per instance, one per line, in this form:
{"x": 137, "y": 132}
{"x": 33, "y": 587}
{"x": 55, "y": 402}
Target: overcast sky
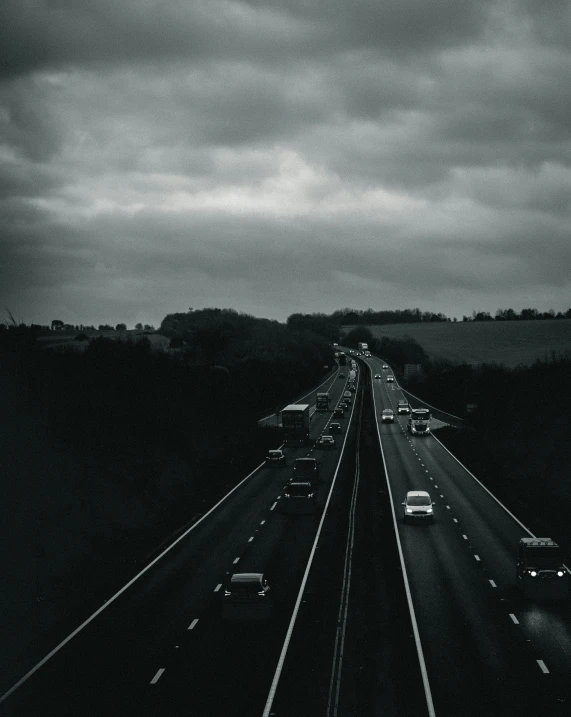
{"x": 281, "y": 156}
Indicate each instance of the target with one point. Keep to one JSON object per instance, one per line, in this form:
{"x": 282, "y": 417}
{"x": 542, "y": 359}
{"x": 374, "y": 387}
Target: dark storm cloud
{"x": 279, "y": 153}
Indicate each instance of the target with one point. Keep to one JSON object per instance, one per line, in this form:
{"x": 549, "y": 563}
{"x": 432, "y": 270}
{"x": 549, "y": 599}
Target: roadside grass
{"x": 511, "y": 343}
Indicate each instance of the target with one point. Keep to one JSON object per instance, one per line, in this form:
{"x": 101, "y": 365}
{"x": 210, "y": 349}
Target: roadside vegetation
{"x": 108, "y": 451}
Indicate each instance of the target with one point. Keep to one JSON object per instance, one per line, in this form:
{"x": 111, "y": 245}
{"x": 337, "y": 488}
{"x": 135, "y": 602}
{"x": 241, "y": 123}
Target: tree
{"x": 57, "y": 324}
{"x": 139, "y": 326}
{"x": 121, "y": 327}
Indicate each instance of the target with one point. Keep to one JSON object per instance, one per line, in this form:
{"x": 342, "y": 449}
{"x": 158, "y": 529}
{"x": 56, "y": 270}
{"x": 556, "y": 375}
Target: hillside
{"x": 509, "y": 342}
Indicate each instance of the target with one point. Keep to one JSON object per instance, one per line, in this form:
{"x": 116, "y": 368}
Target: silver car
{"x": 418, "y": 506}
{"x": 388, "y": 416}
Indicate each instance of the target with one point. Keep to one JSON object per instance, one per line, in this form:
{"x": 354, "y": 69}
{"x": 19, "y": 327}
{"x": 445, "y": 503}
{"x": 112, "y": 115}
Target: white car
{"x": 326, "y": 442}
{"x": 388, "y": 416}
{"x": 418, "y": 506}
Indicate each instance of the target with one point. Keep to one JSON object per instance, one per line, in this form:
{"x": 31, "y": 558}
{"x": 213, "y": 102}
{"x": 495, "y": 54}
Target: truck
{"x": 352, "y": 376}
{"x": 342, "y": 359}
{"x": 419, "y": 422}
{"x": 362, "y": 346}
{"x": 322, "y": 402}
{"x": 540, "y": 571}
{"x": 295, "y": 424}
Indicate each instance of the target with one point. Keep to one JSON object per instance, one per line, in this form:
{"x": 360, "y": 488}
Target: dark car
{"x": 247, "y": 597}
{"x": 338, "y": 413}
{"x": 335, "y": 427}
{"x": 299, "y": 497}
{"x": 276, "y": 458}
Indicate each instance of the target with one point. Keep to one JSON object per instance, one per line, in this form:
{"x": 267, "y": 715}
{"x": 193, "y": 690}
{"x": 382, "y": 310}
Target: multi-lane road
{"x": 370, "y": 616}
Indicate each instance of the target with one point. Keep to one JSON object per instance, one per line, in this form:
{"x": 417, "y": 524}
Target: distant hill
{"x": 507, "y": 342}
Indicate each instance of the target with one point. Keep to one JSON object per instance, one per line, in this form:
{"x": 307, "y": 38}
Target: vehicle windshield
{"x": 416, "y": 500}
{"x": 420, "y": 415}
{"x": 544, "y": 557}
{"x": 301, "y": 490}
{"x": 388, "y": 411}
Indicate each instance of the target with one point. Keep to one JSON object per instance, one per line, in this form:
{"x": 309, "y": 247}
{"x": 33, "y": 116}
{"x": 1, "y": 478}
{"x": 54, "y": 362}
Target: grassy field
{"x": 508, "y": 342}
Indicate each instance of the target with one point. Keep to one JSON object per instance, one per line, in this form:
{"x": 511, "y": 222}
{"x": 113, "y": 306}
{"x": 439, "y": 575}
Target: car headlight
{"x": 409, "y": 510}
{"x": 561, "y": 573}
{"x": 533, "y": 573}
{"x": 429, "y": 510}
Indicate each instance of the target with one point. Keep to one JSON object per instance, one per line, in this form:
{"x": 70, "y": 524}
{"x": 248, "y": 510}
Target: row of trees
{"x": 523, "y": 315}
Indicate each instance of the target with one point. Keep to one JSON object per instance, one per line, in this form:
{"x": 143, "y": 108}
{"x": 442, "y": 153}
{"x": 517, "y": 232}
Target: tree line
{"x": 155, "y": 437}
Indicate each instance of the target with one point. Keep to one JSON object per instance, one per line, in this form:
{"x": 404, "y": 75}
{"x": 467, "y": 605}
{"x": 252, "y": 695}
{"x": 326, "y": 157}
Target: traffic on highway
{"x": 360, "y": 569}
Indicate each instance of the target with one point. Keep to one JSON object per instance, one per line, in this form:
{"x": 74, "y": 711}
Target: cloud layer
{"x": 283, "y": 156}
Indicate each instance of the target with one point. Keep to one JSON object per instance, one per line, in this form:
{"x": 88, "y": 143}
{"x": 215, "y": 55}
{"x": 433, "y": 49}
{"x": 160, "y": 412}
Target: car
{"x": 305, "y": 469}
{"x": 390, "y": 379}
{"x": 388, "y": 416}
{"x": 299, "y": 497}
{"x": 341, "y": 375}
{"x": 347, "y": 395}
{"x": 247, "y": 596}
{"x": 418, "y": 505}
{"x": 352, "y": 389}
{"x": 378, "y": 375}
{"x": 385, "y": 367}
{"x": 325, "y": 442}
{"x": 276, "y": 457}
{"x": 338, "y": 413}
{"x": 335, "y": 427}
{"x": 343, "y": 405}
{"x": 403, "y": 407}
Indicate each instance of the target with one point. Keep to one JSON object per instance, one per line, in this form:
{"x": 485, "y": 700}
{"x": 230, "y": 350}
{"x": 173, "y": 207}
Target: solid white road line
{"x": 157, "y": 677}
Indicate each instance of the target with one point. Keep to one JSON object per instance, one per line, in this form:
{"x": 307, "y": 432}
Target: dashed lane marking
{"x": 543, "y": 667}
{"x": 514, "y": 619}
{"x": 250, "y": 539}
{"x": 217, "y": 588}
{"x": 465, "y": 537}
{"x": 157, "y": 677}
{"x": 236, "y": 560}
{"x": 477, "y": 557}
{"x": 274, "y": 505}
{"x": 195, "y": 621}
{"x": 492, "y": 583}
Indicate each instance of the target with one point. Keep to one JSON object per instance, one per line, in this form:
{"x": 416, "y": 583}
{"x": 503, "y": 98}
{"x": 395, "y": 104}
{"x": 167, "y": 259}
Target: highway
{"x": 161, "y": 647}
{"x": 486, "y": 651}
{"x": 375, "y": 617}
